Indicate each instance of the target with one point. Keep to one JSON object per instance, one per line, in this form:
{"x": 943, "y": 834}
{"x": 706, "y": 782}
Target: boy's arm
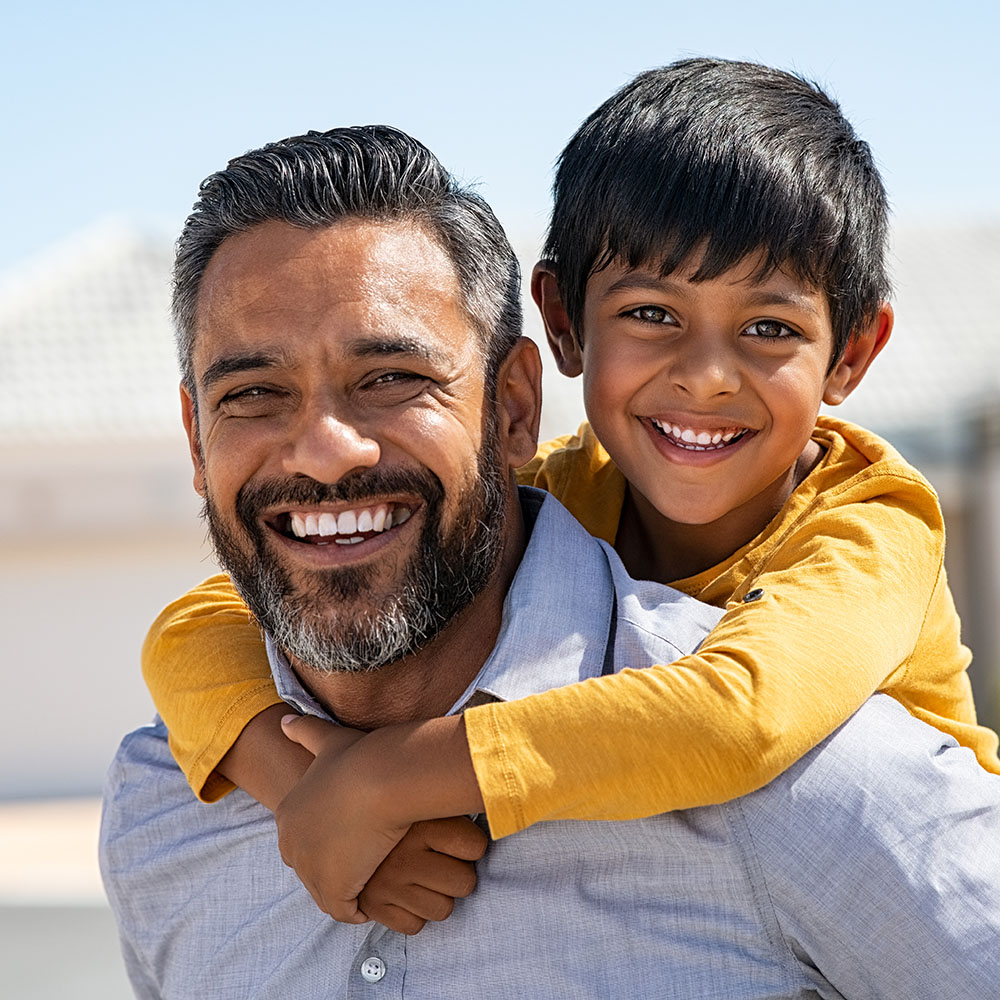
{"x": 207, "y": 671}
{"x": 355, "y": 805}
{"x": 844, "y": 600}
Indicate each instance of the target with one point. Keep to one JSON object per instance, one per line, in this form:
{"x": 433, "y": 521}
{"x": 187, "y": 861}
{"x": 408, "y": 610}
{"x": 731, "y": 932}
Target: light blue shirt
{"x": 869, "y": 869}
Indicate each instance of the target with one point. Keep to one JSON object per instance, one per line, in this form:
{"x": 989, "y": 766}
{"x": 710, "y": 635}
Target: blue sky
{"x": 117, "y": 108}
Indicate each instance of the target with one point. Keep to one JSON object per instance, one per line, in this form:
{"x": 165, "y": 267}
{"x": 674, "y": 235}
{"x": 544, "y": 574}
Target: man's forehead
{"x": 358, "y": 253}
{"x": 389, "y": 276}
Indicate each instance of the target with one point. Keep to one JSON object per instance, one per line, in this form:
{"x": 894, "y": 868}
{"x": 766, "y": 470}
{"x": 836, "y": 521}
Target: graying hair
{"x": 366, "y": 172}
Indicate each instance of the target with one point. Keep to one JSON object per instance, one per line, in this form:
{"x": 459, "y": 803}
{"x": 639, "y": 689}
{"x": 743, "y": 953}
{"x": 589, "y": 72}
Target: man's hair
{"x": 369, "y": 172}
{"x": 711, "y": 161}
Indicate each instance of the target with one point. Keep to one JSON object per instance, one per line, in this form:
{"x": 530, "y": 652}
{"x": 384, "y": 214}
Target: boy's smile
{"x": 705, "y": 394}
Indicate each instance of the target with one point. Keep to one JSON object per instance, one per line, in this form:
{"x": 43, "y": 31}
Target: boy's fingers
{"x": 457, "y": 836}
{"x": 403, "y": 911}
{"x": 414, "y": 867}
{"x": 398, "y": 919}
{"x": 343, "y": 911}
{"x": 317, "y": 735}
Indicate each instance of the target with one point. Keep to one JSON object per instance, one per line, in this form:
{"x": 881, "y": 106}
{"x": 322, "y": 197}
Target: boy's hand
{"x": 330, "y": 830}
{"x": 356, "y": 802}
{"x": 424, "y": 874}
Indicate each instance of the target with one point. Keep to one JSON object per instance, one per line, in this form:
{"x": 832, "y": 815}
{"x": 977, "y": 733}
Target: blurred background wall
{"x": 112, "y": 115}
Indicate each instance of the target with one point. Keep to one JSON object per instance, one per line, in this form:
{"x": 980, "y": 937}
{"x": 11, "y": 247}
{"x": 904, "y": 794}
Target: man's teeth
{"x": 348, "y": 526}
{"x": 699, "y": 440}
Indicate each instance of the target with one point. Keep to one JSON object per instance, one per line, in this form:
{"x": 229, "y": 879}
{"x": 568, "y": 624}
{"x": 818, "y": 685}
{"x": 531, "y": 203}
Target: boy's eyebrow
{"x": 648, "y": 281}
{"x": 774, "y": 297}
{"x": 641, "y": 280}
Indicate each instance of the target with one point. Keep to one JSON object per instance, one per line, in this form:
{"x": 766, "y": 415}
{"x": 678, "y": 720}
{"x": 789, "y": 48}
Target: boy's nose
{"x": 326, "y": 448}
{"x": 703, "y": 370}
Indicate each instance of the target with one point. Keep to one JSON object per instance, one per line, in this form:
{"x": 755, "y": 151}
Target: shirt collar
{"x": 555, "y": 621}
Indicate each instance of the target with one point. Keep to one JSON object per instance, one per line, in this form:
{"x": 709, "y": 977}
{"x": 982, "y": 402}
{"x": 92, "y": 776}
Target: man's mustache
{"x": 303, "y": 491}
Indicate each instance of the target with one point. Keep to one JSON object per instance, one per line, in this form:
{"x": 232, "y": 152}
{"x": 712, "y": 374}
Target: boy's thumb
{"x": 307, "y": 731}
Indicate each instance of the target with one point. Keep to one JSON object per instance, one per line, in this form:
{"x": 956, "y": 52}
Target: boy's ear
{"x": 862, "y": 349}
{"x": 519, "y": 402}
{"x": 562, "y": 342}
{"x": 190, "y": 419}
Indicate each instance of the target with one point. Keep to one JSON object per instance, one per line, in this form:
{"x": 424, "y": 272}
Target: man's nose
{"x": 327, "y": 447}
{"x": 705, "y": 366}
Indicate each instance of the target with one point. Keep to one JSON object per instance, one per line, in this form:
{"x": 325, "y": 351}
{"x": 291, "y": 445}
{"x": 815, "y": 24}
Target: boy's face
{"x": 706, "y": 393}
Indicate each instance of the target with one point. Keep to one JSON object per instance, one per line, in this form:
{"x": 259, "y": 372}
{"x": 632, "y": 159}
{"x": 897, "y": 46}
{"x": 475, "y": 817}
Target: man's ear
{"x": 190, "y": 419}
{"x": 862, "y": 350}
{"x": 562, "y": 341}
{"x": 519, "y": 402}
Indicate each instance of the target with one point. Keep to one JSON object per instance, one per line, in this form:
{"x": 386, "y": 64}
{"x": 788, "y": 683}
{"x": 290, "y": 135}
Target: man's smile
{"x": 346, "y": 527}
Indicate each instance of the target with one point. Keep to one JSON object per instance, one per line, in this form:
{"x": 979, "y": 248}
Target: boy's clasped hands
{"x": 352, "y": 830}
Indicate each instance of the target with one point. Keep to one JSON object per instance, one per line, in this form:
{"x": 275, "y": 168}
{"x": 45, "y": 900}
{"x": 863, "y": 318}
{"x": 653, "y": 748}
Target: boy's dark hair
{"x": 366, "y": 172}
{"x": 731, "y": 158}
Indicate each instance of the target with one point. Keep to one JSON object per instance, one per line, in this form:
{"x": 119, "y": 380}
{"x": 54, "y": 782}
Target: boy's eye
{"x": 651, "y": 314}
{"x": 770, "y": 329}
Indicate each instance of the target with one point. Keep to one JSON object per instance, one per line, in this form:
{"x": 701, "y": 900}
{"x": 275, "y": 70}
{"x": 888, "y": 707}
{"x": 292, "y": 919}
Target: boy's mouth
{"x": 345, "y": 527}
{"x": 693, "y": 439}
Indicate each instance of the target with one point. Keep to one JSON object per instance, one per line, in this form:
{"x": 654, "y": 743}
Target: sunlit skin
{"x": 738, "y": 364}
{"x": 322, "y": 353}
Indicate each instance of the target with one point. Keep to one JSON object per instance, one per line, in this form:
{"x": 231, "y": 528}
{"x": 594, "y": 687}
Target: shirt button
{"x": 372, "y": 969}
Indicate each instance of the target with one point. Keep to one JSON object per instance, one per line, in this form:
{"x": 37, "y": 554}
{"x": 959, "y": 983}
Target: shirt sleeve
{"x": 207, "y": 670}
{"x": 843, "y": 600}
{"x": 878, "y": 855}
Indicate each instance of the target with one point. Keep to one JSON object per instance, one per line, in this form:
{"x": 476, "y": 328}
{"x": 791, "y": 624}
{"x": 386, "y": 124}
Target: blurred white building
{"x": 99, "y": 525}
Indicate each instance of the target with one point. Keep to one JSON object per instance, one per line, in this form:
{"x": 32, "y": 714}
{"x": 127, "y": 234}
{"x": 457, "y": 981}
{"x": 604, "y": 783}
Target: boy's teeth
{"x": 349, "y": 525}
{"x": 700, "y": 439}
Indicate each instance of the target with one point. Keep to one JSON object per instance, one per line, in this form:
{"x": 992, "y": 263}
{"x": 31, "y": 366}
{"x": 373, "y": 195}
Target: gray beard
{"x": 441, "y": 579}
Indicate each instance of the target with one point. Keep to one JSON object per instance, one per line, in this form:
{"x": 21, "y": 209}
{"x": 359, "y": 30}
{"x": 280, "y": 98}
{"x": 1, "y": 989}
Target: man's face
{"x": 353, "y": 486}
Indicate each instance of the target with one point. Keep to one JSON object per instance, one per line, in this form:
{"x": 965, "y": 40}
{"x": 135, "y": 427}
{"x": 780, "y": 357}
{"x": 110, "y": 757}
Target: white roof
{"x": 88, "y": 353}
{"x": 86, "y": 341}
{"x": 943, "y": 360}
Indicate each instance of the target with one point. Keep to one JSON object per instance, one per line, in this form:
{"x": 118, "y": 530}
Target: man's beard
{"x": 447, "y": 571}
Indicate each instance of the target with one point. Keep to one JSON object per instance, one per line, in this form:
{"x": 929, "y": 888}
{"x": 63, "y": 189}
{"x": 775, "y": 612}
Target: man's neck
{"x": 427, "y": 683}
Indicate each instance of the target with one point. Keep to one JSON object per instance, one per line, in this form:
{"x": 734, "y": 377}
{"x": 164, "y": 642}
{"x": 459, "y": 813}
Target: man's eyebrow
{"x": 395, "y": 346}
{"x": 233, "y": 364}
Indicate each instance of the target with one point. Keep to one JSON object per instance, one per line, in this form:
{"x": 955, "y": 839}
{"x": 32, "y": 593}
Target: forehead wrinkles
{"x": 275, "y": 268}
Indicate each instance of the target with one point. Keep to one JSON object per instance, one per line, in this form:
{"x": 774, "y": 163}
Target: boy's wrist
{"x": 420, "y": 770}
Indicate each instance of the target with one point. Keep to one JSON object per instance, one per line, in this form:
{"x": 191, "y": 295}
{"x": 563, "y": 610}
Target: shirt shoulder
{"x": 858, "y": 464}
{"x": 885, "y": 833}
{"x": 579, "y": 472}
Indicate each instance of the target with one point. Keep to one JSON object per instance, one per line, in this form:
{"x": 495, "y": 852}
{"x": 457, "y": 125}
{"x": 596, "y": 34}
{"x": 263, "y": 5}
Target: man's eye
{"x": 770, "y": 329}
{"x": 252, "y": 401}
{"x": 397, "y": 382}
{"x": 651, "y": 314}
